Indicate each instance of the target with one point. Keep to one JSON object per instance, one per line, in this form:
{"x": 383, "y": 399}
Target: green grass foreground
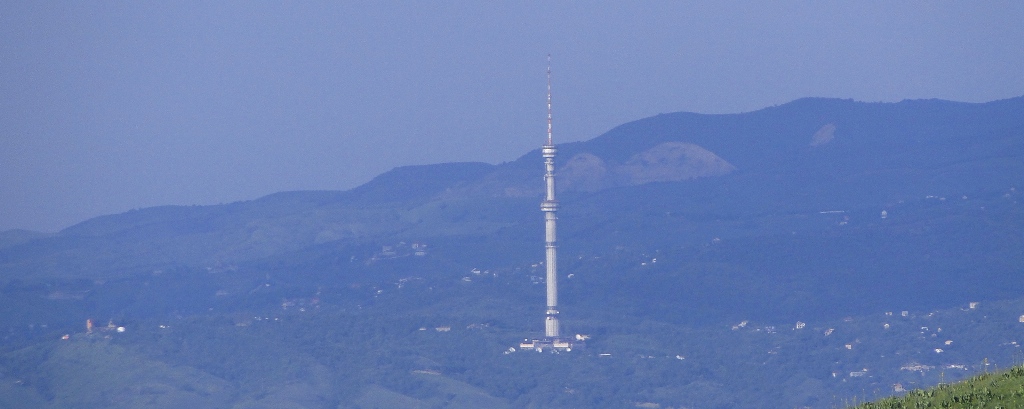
{"x": 996, "y": 390}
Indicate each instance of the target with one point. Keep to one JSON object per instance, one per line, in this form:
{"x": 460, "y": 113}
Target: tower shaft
{"x": 549, "y": 206}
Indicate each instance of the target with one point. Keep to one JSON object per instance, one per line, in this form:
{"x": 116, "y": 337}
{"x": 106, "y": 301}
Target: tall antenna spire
{"x": 549, "y": 100}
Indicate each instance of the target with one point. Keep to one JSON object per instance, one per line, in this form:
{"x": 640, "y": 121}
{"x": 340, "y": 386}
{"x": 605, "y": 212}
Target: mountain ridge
{"x": 876, "y": 152}
{"x": 823, "y": 105}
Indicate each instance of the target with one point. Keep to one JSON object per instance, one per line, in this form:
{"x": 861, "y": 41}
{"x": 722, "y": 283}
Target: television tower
{"x": 549, "y": 206}
{"x": 552, "y": 340}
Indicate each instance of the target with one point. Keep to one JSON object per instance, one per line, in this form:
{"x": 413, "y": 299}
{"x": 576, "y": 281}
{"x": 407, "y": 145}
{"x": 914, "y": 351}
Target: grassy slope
{"x": 998, "y": 390}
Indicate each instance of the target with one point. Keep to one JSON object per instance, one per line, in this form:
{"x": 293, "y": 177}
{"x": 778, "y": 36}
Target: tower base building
{"x": 548, "y": 344}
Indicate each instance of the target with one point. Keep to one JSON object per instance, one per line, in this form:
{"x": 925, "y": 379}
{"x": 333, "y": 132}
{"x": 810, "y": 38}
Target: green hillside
{"x": 997, "y": 390}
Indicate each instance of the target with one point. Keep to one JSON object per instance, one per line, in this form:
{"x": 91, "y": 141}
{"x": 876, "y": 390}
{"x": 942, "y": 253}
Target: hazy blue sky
{"x": 110, "y": 106}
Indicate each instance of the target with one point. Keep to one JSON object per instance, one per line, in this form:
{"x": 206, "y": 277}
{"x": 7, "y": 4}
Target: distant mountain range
{"x": 810, "y": 154}
{"x": 814, "y": 211}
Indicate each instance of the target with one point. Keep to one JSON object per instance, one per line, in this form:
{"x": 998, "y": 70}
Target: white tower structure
{"x": 552, "y": 340}
{"x": 549, "y": 206}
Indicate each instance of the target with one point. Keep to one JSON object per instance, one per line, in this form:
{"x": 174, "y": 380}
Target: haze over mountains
{"x": 673, "y": 229}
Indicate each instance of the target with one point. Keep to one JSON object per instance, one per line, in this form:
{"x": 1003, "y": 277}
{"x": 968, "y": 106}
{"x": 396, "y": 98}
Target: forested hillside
{"x": 997, "y": 390}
